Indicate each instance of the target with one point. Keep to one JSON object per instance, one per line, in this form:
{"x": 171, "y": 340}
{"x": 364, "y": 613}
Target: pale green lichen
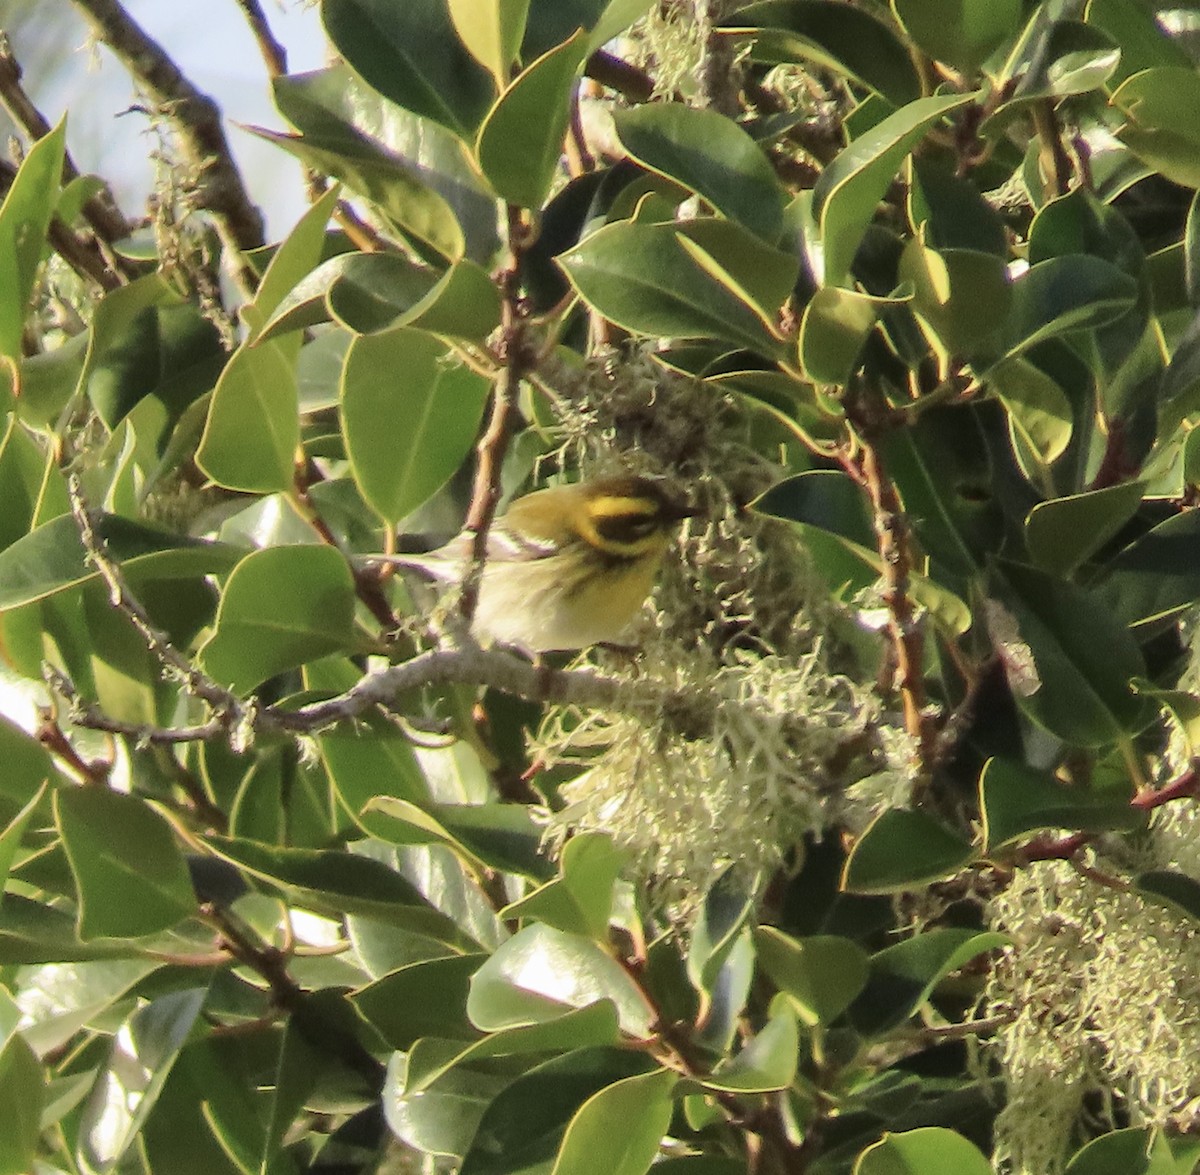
{"x": 1103, "y": 988}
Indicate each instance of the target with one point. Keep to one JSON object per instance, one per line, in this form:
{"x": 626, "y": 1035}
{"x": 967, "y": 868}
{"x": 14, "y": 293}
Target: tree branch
{"x": 194, "y": 115}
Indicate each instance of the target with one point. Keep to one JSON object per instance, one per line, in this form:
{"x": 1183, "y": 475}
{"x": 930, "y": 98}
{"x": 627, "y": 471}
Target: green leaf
{"x": 32, "y": 933}
{"x": 835, "y": 36}
{"x": 1040, "y": 418}
{"x": 1136, "y": 1150}
{"x": 51, "y": 558}
{"x": 521, "y": 141}
{"x": 592, "y": 1027}
{"x": 728, "y": 907}
{"x": 961, "y": 33}
{"x": 1154, "y": 578}
{"x": 931, "y": 1150}
{"x": 253, "y": 427}
{"x": 281, "y": 606}
{"x": 14, "y": 831}
{"x": 821, "y": 975}
{"x": 641, "y": 277}
{"x": 410, "y": 53}
{"x": 24, "y": 221}
{"x": 492, "y": 30}
{"x": 949, "y": 212}
{"x": 834, "y": 331}
{"x": 902, "y": 850}
{"x": 711, "y": 155}
{"x": 424, "y": 999}
{"x": 296, "y": 256}
{"x": 581, "y": 900}
{"x": 540, "y": 973}
{"x": 22, "y": 1099}
{"x": 1162, "y": 111}
{"x": 904, "y": 976}
{"x": 1061, "y": 294}
{"x": 522, "y": 1128}
{"x": 1016, "y": 799}
{"x": 1064, "y": 533}
{"x": 484, "y": 836}
{"x": 851, "y": 186}
{"x": 337, "y": 883}
{"x": 27, "y": 765}
{"x": 1177, "y": 891}
{"x": 338, "y": 110}
{"x": 1082, "y": 658}
{"x": 963, "y": 296}
{"x": 396, "y": 188}
{"x": 766, "y": 1063}
{"x": 128, "y": 869}
{"x": 641, "y": 1104}
{"x": 405, "y": 438}
{"x": 1144, "y": 43}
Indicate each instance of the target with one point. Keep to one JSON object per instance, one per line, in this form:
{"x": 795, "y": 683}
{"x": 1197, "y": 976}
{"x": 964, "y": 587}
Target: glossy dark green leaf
{"x": 1040, "y": 418}
{"x": 950, "y": 211}
{"x": 849, "y": 189}
{"x": 1077, "y": 292}
{"x": 27, "y": 765}
{"x": 592, "y": 1027}
{"x": 410, "y": 53}
{"x": 424, "y": 999}
{"x": 711, "y": 155}
{"x": 903, "y": 850}
{"x": 128, "y": 868}
{"x": 840, "y": 37}
{"x": 1055, "y": 58}
{"x": 522, "y": 1129}
{"x": 1175, "y": 890}
{"x": 406, "y": 437}
{"x": 336, "y": 883}
{"x": 334, "y": 107}
{"x": 492, "y": 31}
{"x": 833, "y": 332}
{"x": 930, "y": 1150}
{"x": 764, "y": 276}
{"x": 1064, "y": 532}
{"x": 821, "y": 975}
{"x": 961, "y": 33}
{"x": 642, "y": 1104}
{"x": 253, "y": 427}
{"x": 281, "y": 606}
{"x": 393, "y": 186}
{"x": 1015, "y": 799}
{"x": 521, "y": 141}
{"x": 1082, "y": 658}
{"x": 22, "y": 1100}
{"x": 1162, "y": 127}
{"x": 24, "y": 220}
{"x": 488, "y": 836}
{"x": 766, "y": 1062}
{"x": 727, "y": 909}
{"x": 541, "y": 973}
{"x": 1155, "y": 577}
{"x": 1144, "y": 42}
{"x": 641, "y": 277}
{"x": 580, "y": 900}
{"x": 961, "y": 295}
{"x": 32, "y": 933}
{"x": 1133, "y": 1151}
{"x": 13, "y": 832}
{"x": 904, "y": 976}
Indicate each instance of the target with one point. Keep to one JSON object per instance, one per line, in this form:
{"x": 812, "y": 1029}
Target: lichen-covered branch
{"x": 194, "y": 115}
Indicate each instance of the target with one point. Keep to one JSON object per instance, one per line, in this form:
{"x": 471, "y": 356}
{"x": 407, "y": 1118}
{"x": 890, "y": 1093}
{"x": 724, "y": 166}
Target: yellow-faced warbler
{"x": 566, "y": 567}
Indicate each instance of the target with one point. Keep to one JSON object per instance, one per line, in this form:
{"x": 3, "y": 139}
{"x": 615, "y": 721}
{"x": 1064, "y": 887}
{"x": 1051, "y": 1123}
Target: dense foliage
{"x": 877, "y": 852}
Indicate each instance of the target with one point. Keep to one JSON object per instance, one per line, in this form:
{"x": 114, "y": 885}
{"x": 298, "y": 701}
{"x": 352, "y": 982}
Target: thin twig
{"x": 195, "y": 117}
{"x": 223, "y": 702}
{"x": 274, "y": 55}
{"x": 513, "y": 353}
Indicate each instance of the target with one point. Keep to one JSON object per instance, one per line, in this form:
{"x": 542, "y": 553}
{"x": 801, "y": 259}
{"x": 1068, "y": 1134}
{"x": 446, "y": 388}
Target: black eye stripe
{"x": 624, "y": 528}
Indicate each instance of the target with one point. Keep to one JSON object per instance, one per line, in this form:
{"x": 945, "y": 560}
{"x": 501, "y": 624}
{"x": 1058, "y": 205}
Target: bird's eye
{"x": 626, "y": 528}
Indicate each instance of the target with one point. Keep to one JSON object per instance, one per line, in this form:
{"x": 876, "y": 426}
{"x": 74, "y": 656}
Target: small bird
{"x": 566, "y": 567}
